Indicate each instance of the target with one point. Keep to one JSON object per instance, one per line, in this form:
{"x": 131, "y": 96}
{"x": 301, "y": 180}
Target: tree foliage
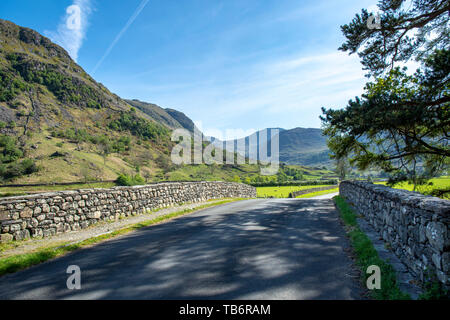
{"x": 139, "y": 127}
{"x": 406, "y": 30}
{"x": 128, "y": 180}
{"x": 401, "y": 123}
{"x": 12, "y": 161}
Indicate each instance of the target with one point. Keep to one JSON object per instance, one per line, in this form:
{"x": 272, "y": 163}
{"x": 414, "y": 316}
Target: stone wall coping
{"x": 414, "y": 199}
{"x": 25, "y": 198}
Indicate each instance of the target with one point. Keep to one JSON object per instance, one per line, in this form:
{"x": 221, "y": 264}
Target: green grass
{"x": 436, "y": 184}
{"x": 282, "y": 191}
{"x": 22, "y": 261}
{"x": 213, "y": 172}
{"x": 366, "y": 255}
{"x": 318, "y": 193}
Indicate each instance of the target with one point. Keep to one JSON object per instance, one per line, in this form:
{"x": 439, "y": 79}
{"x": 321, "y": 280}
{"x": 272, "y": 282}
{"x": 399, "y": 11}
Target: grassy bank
{"x": 22, "y": 261}
{"x": 366, "y": 255}
{"x": 442, "y": 183}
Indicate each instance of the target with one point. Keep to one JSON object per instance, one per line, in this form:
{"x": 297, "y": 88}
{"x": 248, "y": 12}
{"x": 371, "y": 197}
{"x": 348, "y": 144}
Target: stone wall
{"x": 416, "y": 227}
{"x": 47, "y": 214}
{"x": 295, "y": 194}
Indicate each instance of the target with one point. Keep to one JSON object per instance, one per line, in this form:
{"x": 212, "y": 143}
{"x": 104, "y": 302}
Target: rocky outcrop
{"x": 416, "y": 227}
{"x": 47, "y": 214}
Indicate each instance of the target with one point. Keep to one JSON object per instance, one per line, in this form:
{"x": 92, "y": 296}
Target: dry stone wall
{"x": 295, "y": 194}
{"x": 416, "y": 226}
{"x": 48, "y": 214}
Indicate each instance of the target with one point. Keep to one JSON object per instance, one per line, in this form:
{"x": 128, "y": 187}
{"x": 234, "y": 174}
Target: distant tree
{"x": 342, "y": 167}
{"x": 298, "y": 176}
{"x": 147, "y": 176}
{"x": 85, "y": 173}
{"x": 282, "y": 177}
{"x": 105, "y": 149}
{"x": 401, "y": 123}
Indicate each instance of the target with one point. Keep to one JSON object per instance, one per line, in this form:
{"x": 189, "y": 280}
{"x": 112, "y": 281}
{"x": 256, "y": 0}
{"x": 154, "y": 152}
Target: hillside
{"x": 303, "y": 146}
{"x": 57, "y": 124}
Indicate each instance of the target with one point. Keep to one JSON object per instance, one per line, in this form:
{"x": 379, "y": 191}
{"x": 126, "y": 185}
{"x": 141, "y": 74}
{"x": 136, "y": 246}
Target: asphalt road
{"x": 253, "y": 249}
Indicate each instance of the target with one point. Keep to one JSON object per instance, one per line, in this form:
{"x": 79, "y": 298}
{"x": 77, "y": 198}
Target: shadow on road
{"x": 256, "y": 249}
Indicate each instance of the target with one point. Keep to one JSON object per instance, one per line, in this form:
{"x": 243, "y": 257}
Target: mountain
{"x": 156, "y": 113}
{"x": 182, "y": 119}
{"x": 303, "y": 146}
{"x": 171, "y": 118}
{"x": 298, "y": 146}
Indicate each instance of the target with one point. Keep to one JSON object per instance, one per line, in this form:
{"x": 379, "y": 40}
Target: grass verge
{"x": 366, "y": 255}
{"x": 282, "y": 191}
{"x": 22, "y": 261}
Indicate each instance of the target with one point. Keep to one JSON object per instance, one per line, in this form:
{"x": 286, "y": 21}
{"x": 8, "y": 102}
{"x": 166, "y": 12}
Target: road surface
{"x": 253, "y": 249}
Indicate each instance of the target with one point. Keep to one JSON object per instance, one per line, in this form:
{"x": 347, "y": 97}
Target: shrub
{"x": 28, "y": 166}
{"x": 128, "y": 180}
{"x": 10, "y": 154}
{"x": 18, "y": 169}
{"x": 9, "y": 151}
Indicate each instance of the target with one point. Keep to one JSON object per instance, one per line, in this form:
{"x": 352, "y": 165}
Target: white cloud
{"x": 72, "y": 29}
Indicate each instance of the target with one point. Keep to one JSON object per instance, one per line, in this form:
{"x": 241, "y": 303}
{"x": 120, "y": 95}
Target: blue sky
{"x": 230, "y": 64}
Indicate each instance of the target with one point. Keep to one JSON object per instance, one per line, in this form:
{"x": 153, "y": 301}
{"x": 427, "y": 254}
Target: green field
{"x": 442, "y": 183}
{"x": 281, "y": 192}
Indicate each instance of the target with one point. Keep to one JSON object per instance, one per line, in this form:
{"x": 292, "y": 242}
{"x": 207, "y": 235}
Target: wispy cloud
{"x": 287, "y": 90}
{"x": 275, "y": 69}
{"x": 72, "y": 29}
{"x": 121, "y": 33}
